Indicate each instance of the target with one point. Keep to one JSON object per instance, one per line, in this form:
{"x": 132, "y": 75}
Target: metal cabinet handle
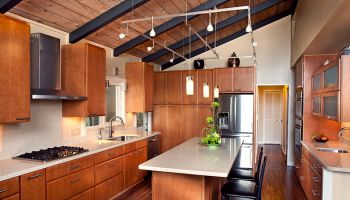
{"x": 316, "y": 179}
{"x": 34, "y": 176}
{"x": 74, "y": 167}
{"x": 3, "y": 190}
{"x": 75, "y": 180}
{"x": 22, "y": 118}
{"x": 153, "y": 140}
{"x": 315, "y": 192}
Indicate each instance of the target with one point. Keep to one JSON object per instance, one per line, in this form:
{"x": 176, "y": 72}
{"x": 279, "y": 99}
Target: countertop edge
{"x": 60, "y": 161}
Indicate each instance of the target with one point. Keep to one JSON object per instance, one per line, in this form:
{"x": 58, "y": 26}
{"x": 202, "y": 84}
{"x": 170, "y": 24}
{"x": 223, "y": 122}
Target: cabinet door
{"x": 142, "y": 157}
{"x": 148, "y": 87}
{"x": 202, "y": 113}
{"x": 108, "y": 169}
{"x": 109, "y": 188}
{"x": 189, "y": 99}
{"x": 159, "y": 123}
{"x": 14, "y": 67}
{"x": 223, "y": 78}
{"x": 316, "y": 105}
{"x": 131, "y": 168}
{"x": 331, "y": 78}
{"x": 33, "y": 186}
{"x": 174, "y": 87}
{"x": 96, "y": 81}
{"x": 244, "y": 79}
{"x": 330, "y": 103}
{"x": 159, "y": 93}
{"x": 189, "y": 120}
{"x": 317, "y": 83}
{"x": 205, "y": 76}
{"x": 174, "y": 130}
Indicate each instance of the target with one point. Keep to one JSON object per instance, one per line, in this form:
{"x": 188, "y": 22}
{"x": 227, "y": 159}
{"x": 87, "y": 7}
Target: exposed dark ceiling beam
{"x": 165, "y": 27}
{"x": 229, "y": 38}
{"x": 104, "y": 19}
{"x": 230, "y": 21}
{"x": 6, "y": 5}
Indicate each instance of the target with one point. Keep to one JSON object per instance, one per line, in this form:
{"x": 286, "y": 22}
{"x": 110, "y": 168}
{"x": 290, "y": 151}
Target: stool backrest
{"x": 256, "y": 177}
{"x": 261, "y": 178}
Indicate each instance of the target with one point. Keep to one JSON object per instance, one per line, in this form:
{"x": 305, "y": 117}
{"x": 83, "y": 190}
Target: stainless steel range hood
{"x": 46, "y": 70}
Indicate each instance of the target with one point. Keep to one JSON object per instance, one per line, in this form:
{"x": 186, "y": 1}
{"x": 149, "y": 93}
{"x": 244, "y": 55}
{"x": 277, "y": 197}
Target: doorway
{"x": 272, "y": 115}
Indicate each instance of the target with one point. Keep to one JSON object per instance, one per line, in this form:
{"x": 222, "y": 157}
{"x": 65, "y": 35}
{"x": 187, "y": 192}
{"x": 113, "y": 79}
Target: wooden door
{"x": 174, "y": 89}
{"x": 205, "y": 76}
{"x": 174, "y": 123}
{"x": 131, "y": 168}
{"x": 159, "y": 123}
{"x": 189, "y": 99}
{"x": 244, "y": 79}
{"x": 96, "y": 81}
{"x": 189, "y": 121}
{"x": 223, "y": 78}
{"x": 33, "y": 186}
{"x": 142, "y": 157}
{"x": 202, "y": 113}
{"x": 272, "y": 121}
{"x": 15, "y": 71}
{"x": 159, "y": 88}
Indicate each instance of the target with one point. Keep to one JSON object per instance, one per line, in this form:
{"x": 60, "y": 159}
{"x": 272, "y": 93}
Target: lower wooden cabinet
{"x": 108, "y": 169}
{"x": 33, "y": 186}
{"x": 86, "y": 195}
{"x": 70, "y": 185}
{"x": 131, "y": 168}
{"x": 109, "y": 188}
{"x": 13, "y": 197}
{"x": 9, "y": 187}
{"x": 141, "y": 158}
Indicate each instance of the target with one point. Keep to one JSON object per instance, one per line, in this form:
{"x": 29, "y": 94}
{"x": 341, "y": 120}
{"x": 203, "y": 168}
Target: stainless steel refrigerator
{"x": 235, "y": 117}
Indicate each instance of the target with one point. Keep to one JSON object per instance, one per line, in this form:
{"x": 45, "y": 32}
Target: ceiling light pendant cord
{"x": 210, "y": 27}
{"x": 152, "y": 33}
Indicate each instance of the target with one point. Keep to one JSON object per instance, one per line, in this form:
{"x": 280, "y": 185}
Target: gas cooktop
{"x": 51, "y": 154}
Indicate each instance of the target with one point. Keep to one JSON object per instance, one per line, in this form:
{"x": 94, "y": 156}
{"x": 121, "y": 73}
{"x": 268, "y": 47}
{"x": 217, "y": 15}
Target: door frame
{"x": 281, "y": 114}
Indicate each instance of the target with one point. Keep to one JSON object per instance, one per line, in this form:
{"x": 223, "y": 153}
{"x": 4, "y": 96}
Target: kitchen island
{"x": 191, "y": 170}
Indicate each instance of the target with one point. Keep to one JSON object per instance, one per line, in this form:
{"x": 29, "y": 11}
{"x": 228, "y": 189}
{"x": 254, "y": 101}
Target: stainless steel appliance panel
{"x": 153, "y": 146}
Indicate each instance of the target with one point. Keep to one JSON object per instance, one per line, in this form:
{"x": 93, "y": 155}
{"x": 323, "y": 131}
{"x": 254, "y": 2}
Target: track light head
{"x": 122, "y": 36}
{"x": 210, "y": 27}
{"x": 152, "y": 33}
{"x": 249, "y": 28}
{"x": 171, "y": 60}
{"x": 149, "y": 49}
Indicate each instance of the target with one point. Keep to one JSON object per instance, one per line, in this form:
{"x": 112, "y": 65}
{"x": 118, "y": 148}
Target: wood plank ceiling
{"x": 68, "y": 15}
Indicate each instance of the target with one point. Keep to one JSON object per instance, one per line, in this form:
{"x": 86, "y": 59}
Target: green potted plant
{"x": 211, "y": 133}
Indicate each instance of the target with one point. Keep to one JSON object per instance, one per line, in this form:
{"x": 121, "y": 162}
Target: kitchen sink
{"x": 333, "y": 150}
{"x": 123, "y": 138}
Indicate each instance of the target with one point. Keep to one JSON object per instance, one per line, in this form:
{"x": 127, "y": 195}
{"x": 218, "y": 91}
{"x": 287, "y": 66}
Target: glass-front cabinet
{"x": 331, "y": 78}
{"x": 317, "y": 82}
{"x": 330, "y": 105}
{"x": 316, "y": 105}
{"x": 326, "y": 79}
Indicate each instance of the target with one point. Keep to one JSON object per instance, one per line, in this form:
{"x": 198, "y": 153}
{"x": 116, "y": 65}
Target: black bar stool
{"x": 245, "y": 174}
{"x": 244, "y": 188}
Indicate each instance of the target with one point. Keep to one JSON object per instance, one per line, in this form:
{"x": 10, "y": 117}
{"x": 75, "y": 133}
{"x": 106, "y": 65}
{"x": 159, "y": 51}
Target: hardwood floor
{"x": 280, "y": 182}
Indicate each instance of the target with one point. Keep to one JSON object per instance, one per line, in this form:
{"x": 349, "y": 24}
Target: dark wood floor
{"x": 280, "y": 182}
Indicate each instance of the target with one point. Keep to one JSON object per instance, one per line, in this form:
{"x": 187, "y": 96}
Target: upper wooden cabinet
{"x": 223, "y": 78}
{"x": 15, "y": 70}
{"x": 174, "y": 87}
{"x": 238, "y": 79}
{"x": 139, "y": 95}
{"x": 159, "y": 88}
{"x": 326, "y": 79}
{"x": 83, "y": 73}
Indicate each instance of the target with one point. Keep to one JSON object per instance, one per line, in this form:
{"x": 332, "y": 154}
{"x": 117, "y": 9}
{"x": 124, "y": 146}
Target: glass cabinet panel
{"x": 331, "y": 77}
{"x": 330, "y": 106}
{"x": 316, "y": 82}
{"x": 316, "y": 105}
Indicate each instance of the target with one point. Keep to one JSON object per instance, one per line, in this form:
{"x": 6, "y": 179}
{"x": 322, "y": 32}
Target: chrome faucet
{"x": 111, "y": 127}
{"x": 341, "y": 132}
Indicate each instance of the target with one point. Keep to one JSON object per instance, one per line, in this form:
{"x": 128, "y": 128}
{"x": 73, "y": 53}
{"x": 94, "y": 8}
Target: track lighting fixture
{"x": 152, "y": 33}
{"x": 150, "y": 48}
{"x": 172, "y": 59}
{"x": 123, "y": 35}
{"x": 249, "y": 28}
{"x": 210, "y": 27}
{"x": 254, "y": 43}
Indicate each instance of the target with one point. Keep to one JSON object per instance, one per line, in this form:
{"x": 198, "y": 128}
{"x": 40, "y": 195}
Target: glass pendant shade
{"x": 216, "y": 92}
{"x": 205, "y": 90}
{"x": 189, "y": 85}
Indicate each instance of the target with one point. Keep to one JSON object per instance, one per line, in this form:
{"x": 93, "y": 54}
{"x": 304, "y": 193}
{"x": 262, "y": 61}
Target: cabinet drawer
{"x": 142, "y": 143}
{"x": 67, "y": 168}
{"x": 129, "y": 147}
{"x": 316, "y": 165}
{"x": 71, "y": 185}
{"x": 9, "y": 187}
{"x": 87, "y": 195}
{"x": 109, "y": 188}
{"x": 33, "y": 186}
{"x": 315, "y": 193}
{"x": 108, "y": 154}
{"x": 316, "y": 179}
{"x": 13, "y": 197}
{"x": 108, "y": 169}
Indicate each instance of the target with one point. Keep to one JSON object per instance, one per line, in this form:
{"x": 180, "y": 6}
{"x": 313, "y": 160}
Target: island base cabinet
{"x": 186, "y": 186}
{"x": 109, "y": 188}
{"x": 87, "y": 195}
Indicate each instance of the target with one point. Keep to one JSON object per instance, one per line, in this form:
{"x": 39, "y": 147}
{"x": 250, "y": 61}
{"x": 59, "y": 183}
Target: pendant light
{"x": 150, "y": 48}
{"x": 249, "y": 28}
{"x": 216, "y": 92}
{"x": 123, "y": 35}
{"x": 152, "y": 33}
{"x": 210, "y": 27}
{"x": 172, "y": 59}
{"x": 189, "y": 78}
{"x": 206, "y": 86}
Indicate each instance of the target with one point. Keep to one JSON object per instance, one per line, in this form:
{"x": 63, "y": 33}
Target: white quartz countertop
{"x": 338, "y": 162}
{"x": 10, "y": 168}
{"x": 192, "y": 157}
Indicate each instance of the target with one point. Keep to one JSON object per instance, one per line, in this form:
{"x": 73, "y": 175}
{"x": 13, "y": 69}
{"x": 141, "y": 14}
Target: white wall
{"x": 47, "y": 127}
{"x": 273, "y": 57}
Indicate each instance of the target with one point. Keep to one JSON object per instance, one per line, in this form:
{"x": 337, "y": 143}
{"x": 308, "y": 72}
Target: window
{"x": 115, "y": 103}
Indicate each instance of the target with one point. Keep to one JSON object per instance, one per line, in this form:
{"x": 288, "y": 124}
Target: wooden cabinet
{"x": 299, "y": 73}
{"x": 70, "y": 185}
{"x": 13, "y": 197}
{"x": 244, "y": 79}
{"x": 83, "y": 73}
{"x": 87, "y": 195}
{"x": 139, "y": 95}
{"x": 109, "y": 188}
{"x": 108, "y": 154}
{"x": 189, "y": 99}
{"x": 131, "y": 168}
{"x": 141, "y": 158}
{"x": 9, "y": 187}
{"x": 172, "y": 136}
{"x": 205, "y": 76}
{"x": 174, "y": 87}
{"x": 108, "y": 169}
{"x": 159, "y": 88}
{"x": 223, "y": 78}
{"x": 189, "y": 120}
{"x": 345, "y": 88}
{"x": 159, "y": 123}
{"x": 15, "y": 71}
{"x": 33, "y": 186}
